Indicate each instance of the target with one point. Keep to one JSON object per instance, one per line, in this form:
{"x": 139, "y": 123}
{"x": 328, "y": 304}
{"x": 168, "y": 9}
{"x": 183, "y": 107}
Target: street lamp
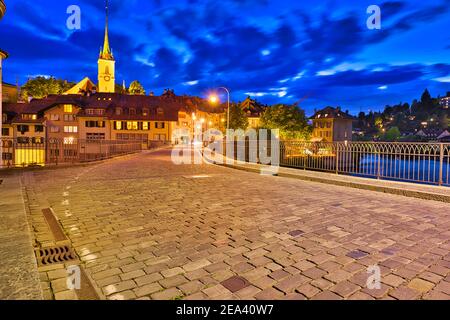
{"x": 215, "y": 99}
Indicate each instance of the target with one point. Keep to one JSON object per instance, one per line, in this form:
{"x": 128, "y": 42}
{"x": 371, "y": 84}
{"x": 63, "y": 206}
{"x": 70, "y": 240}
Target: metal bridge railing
{"x": 25, "y": 152}
{"x": 410, "y": 162}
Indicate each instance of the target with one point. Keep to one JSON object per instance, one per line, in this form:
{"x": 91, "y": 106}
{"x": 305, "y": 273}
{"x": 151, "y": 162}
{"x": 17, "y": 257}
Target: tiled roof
{"x": 331, "y": 113}
{"x": 170, "y": 105}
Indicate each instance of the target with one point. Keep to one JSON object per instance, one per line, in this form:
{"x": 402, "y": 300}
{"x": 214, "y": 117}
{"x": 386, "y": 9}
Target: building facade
{"x": 332, "y": 125}
{"x": 3, "y": 55}
{"x": 445, "y": 102}
{"x": 10, "y": 93}
{"x": 67, "y": 122}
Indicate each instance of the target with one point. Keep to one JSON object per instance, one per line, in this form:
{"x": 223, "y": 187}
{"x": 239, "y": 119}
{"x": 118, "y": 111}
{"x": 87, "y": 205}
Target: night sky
{"x": 276, "y": 51}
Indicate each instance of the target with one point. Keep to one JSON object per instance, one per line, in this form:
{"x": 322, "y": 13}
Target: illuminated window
{"x": 68, "y": 108}
{"x": 132, "y": 125}
{"x": 54, "y": 117}
{"x": 160, "y": 125}
{"x": 38, "y": 128}
{"x": 118, "y": 125}
{"x": 29, "y": 116}
{"x": 69, "y": 118}
{"x": 145, "y": 112}
{"x": 54, "y": 129}
{"x": 145, "y": 126}
{"x": 69, "y": 140}
{"x": 70, "y": 129}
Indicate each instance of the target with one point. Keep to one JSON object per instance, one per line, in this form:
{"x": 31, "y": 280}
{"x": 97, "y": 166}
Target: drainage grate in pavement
{"x": 296, "y": 233}
{"x": 235, "y": 284}
{"x": 54, "y": 255}
{"x": 357, "y": 254}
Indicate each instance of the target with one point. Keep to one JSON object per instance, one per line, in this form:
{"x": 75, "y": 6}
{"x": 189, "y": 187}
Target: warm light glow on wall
{"x": 28, "y": 157}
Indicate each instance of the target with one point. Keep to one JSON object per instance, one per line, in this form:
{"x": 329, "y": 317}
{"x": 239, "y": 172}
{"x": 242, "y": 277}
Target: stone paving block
{"x": 56, "y": 274}
{"x": 327, "y": 295}
{"x": 290, "y": 283}
{"x": 215, "y": 291}
{"x": 392, "y": 280}
{"x": 173, "y": 281}
{"x": 132, "y": 274}
{"x": 191, "y": 287}
{"x": 169, "y": 294}
{"x": 124, "y": 295}
{"x": 420, "y": 285}
{"x": 147, "y": 289}
{"x": 66, "y": 295}
{"x": 150, "y": 278}
{"x": 192, "y": 266}
{"x": 345, "y": 289}
{"x": 263, "y": 282}
{"x": 404, "y": 293}
{"x": 269, "y": 294}
{"x": 106, "y": 274}
{"x": 308, "y": 290}
{"x": 172, "y": 272}
{"x": 119, "y": 287}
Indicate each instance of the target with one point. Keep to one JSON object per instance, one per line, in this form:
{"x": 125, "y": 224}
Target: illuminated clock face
{"x": 107, "y": 78}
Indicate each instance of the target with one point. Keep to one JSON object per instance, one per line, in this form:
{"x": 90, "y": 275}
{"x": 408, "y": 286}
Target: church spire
{"x": 106, "y": 52}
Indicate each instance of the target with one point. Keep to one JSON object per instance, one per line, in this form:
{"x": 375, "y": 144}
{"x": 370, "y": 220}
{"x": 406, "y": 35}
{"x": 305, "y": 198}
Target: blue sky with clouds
{"x": 320, "y": 52}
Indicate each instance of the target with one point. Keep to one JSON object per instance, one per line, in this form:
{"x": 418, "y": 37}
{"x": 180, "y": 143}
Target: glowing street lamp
{"x": 215, "y": 99}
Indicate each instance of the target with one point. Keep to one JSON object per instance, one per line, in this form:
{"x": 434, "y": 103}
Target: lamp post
{"x": 214, "y": 99}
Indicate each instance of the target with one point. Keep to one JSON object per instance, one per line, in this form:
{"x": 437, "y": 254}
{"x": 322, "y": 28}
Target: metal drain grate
{"x": 53, "y": 255}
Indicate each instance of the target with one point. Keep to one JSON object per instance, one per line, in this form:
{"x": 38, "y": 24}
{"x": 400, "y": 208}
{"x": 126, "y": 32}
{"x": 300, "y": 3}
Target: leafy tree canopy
{"x": 238, "y": 118}
{"x": 289, "y": 119}
{"x": 393, "y": 134}
{"x": 136, "y": 88}
{"x": 41, "y": 87}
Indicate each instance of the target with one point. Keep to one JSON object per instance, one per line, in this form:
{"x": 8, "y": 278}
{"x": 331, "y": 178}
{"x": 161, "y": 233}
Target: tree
{"x": 238, "y": 118}
{"x": 289, "y": 119}
{"x": 41, "y": 87}
{"x": 136, "y": 88}
{"x": 426, "y": 98}
{"x": 393, "y": 134}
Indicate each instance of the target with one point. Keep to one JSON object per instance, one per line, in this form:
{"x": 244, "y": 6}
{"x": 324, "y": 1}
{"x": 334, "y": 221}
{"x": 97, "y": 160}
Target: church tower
{"x": 106, "y": 64}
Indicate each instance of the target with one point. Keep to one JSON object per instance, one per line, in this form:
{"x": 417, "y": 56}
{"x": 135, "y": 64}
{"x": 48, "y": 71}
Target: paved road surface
{"x": 146, "y": 228}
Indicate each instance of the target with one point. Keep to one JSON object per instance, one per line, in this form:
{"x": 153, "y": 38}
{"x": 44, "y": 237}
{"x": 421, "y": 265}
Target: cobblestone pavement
{"x": 146, "y": 228}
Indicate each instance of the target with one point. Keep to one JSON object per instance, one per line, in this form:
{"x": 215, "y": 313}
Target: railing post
{"x": 441, "y": 165}
{"x": 337, "y": 157}
{"x": 378, "y": 164}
